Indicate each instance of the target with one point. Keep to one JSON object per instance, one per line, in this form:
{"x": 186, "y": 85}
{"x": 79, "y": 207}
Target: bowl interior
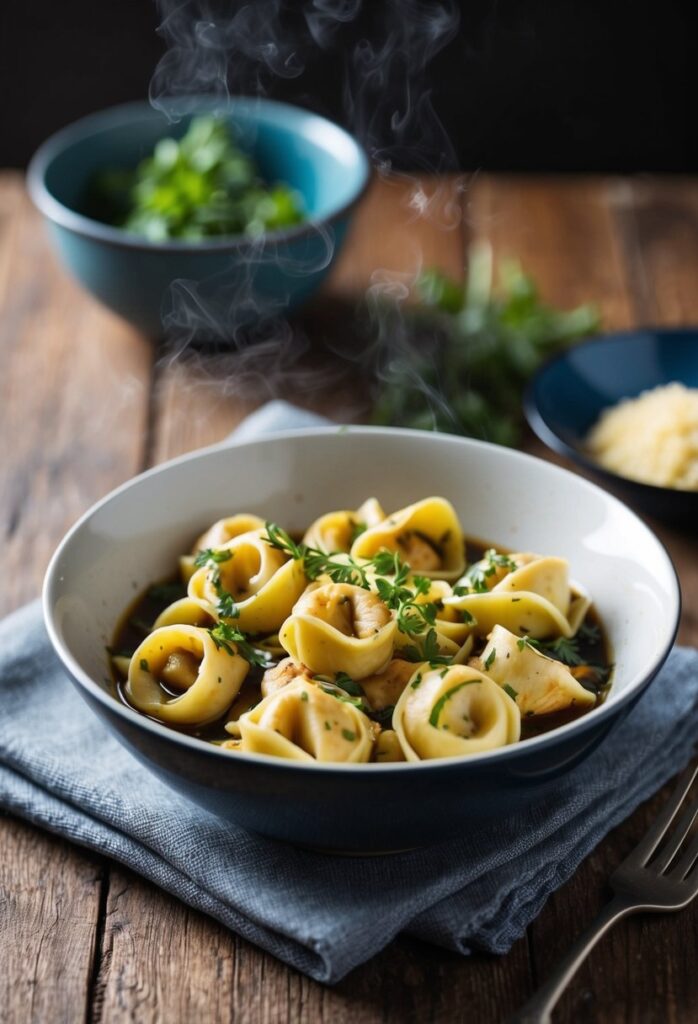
{"x": 571, "y": 391}
{"x": 313, "y": 155}
{"x": 134, "y": 536}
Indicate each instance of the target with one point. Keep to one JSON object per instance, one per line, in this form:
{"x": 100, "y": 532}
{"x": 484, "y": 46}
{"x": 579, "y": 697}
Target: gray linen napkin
{"x": 323, "y": 915}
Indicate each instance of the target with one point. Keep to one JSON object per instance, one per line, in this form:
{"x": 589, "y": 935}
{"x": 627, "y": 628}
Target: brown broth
{"x": 145, "y": 608}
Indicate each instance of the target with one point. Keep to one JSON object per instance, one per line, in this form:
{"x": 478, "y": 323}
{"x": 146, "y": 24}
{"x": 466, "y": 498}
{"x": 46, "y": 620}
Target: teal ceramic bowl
{"x": 220, "y": 284}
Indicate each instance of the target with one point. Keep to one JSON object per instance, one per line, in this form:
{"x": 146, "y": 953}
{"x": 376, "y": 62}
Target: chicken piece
{"x": 351, "y": 610}
{"x": 384, "y": 689}
{"x": 282, "y": 674}
{"x": 419, "y": 551}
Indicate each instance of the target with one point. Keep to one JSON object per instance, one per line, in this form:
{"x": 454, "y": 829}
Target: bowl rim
{"x": 608, "y": 710}
{"x": 542, "y": 429}
{"x": 124, "y": 113}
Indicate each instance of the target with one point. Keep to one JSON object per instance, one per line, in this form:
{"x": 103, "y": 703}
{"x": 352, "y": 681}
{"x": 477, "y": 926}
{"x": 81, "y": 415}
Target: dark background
{"x": 540, "y": 85}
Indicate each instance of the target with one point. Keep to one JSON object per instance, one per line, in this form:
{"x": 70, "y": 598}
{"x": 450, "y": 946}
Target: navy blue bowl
{"x": 238, "y": 280}
{"x": 568, "y": 394}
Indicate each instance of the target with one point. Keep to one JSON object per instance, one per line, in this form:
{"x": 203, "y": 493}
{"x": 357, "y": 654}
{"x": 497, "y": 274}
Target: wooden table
{"x": 86, "y": 403}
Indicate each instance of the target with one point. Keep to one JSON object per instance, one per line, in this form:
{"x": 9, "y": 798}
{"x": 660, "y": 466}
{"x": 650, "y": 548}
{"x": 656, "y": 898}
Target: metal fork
{"x": 667, "y": 882}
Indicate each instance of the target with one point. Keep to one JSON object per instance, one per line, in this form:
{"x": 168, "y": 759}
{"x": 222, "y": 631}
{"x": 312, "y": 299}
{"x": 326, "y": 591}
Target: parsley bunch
{"x": 467, "y": 350}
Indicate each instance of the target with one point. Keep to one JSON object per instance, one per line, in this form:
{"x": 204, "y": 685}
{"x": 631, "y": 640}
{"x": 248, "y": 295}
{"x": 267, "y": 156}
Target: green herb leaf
{"x": 233, "y": 641}
{"x": 212, "y": 555}
{"x": 443, "y": 699}
{"x": 468, "y": 350}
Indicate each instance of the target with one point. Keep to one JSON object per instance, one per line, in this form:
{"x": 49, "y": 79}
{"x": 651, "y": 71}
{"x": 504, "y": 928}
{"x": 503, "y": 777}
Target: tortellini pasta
{"x": 362, "y": 640}
{"x": 303, "y": 723}
{"x": 426, "y": 535}
{"x": 531, "y": 596}
{"x": 184, "y": 659}
{"x": 452, "y": 713}
{"x": 339, "y": 627}
{"x": 539, "y": 685}
{"x": 336, "y": 531}
{"x": 263, "y": 583}
{"x": 217, "y": 535}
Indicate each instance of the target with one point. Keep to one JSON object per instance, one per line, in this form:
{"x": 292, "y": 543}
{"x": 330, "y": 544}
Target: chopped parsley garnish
{"x": 211, "y": 559}
{"x": 144, "y": 665}
{"x": 510, "y": 690}
{"x": 414, "y": 618}
{"x": 588, "y": 633}
{"x": 304, "y": 695}
{"x": 565, "y": 649}
{"x": 315, "y": 562}
{"x": 233, "y": 641}
{"x": 357, "y": 529}
{"x": 345, "y": 682}
{"x": 215, "y": 555}
{"x": 339, "y": 694}
{"x": 416, "y": 681}
{"x": 527, "y": 641}
{"x": 489, "y": 660}
{"x": 348, "y": 735}
{"x": 443, "y": 699}
{"x": 480, "y": 573}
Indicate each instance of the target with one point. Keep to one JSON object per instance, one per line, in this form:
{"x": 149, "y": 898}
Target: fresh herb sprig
{"x": 467, "y": 350}
{"x": 563, "y": 648}
{"x": 233, "y": 641}
{"x": 479, "y": 574}
{"x": 212, "y": 559}
{"x": 390, "y": 576}
{"x": 317, "y": 563}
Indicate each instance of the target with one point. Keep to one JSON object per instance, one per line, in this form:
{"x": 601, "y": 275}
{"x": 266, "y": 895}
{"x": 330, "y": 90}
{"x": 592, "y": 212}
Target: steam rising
{"x": 383, "y": 51}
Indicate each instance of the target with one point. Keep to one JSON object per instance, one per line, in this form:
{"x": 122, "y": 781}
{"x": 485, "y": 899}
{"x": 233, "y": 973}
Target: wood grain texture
{"x": 80, "y": 410}
{"x": 164, "y": 962}
{"x": 73, "y": 401}
{"x": 49, "y": 917}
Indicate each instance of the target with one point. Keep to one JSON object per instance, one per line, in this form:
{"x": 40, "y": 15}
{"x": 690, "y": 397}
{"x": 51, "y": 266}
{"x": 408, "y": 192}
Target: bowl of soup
{"x": 361, "y": 639}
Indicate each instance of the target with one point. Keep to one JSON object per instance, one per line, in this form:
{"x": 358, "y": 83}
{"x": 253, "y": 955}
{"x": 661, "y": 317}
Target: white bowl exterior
{"x": 133, "y": 537}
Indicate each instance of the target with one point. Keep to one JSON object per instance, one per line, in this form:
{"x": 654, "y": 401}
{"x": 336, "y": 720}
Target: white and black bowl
{"x": 134, "y": 535}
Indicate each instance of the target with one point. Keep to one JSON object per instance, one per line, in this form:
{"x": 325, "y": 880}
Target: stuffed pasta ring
{"x": 184, "y": 658}
{"x": 535, "y": 599}
{"x": 426, "y": 535}
{"x": 303, "y": 723}
{"x": 454, "y": 713}
{"x": 262, "y": 582}
{"x": 337, "y": 627}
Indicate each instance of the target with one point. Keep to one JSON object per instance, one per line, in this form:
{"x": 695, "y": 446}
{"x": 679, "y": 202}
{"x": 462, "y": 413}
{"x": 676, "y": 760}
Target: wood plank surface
{"x": 73, "y": 403}
{"x": 84, "y": 409}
